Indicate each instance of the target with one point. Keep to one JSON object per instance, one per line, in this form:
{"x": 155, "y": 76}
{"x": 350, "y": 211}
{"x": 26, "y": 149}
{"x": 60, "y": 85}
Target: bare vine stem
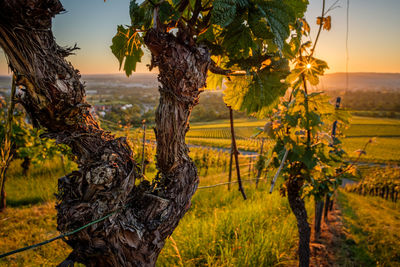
{"x": 320, "y": 28}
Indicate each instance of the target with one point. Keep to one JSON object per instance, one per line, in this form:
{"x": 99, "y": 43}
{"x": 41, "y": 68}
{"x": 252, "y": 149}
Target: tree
{"x": 301, "y": 126}
{"x": 310, "y": 159}
{"x": 186, "y": 40}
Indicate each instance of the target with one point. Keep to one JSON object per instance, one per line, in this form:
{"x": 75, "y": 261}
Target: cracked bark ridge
{"x": 183, "y": 72}
{"x": 54, "y": 97}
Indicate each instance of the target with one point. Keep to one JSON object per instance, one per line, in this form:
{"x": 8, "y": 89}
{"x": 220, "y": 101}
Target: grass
{"x": 385, "y": 148}
{"x": 251, "y": 122}
{"x": 220, "y": 229}
{"x": 374, "y": 225}
{"x": 372, "y": 130}
{"x": 39, "y": 186}
{"x": 221, "y": 133}
{"x": 31, "y": 217}
{"x": 374, "y": 120}
{"x": 28, "y": 225}
{"x": 223, "y": 230}
{"x": 246, "y": 145}
{"x": 382, "y": 149}
{"x": 385, "y": 131}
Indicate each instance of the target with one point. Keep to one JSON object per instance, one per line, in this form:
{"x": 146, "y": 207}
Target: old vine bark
{"x": 54, "y": 97}
{"x": 297, "y": 205}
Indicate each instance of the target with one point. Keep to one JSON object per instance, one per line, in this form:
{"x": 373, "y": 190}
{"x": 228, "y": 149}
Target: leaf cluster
{"x": 27, "y": 141}
{"x": 306, "y": 133}
{"x": 127, "y": 48}
{"x": 249, "y": 40}
{"x": 302, "y": 124}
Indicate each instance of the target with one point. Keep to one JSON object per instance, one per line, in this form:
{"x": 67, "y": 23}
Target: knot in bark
{"x": 102, "y": 175}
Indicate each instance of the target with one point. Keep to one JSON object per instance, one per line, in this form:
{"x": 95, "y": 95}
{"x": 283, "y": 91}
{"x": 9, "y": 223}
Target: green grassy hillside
{"x": 220, "y": 229}
{"x": 385, "y": 132}
{"x": 374, "y": 226}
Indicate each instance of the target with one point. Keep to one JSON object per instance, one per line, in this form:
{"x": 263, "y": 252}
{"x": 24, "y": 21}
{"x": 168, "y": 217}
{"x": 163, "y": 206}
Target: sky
{"x": 374, "y": 35}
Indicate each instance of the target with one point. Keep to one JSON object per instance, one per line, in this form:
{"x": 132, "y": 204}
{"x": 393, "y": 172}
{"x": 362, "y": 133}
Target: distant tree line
{"x": 210, "y": 108}
{"x": 129, "y": 116}
{"x": 370, "y": 102}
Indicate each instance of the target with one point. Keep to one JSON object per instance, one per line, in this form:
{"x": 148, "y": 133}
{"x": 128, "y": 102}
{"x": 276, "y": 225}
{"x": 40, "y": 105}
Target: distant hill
{"x": 374, "y": 94}
{"x": 120, "y": 81}
{"x": 334, "y": 81}
{"x": 5, "y": 82}
{"x": 361, "y": 82}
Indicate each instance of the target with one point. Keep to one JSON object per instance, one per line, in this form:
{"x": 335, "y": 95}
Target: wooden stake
{"x": 143, "y": 147}
{"x": 279, "y": 170}
{"x": 260, "y": 170}
{"x": 230, "y": 168}
{"x": 236, "y": 154}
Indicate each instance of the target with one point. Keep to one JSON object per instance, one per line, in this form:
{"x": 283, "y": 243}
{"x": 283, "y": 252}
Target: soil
{"x": 325, "y": 250}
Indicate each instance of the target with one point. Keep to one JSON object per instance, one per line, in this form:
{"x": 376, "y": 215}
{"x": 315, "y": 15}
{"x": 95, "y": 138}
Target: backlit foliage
{"x": 250, "y": 42}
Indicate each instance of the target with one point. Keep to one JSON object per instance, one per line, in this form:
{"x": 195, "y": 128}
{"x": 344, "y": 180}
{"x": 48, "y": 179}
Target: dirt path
{"x": 325, "y": 251}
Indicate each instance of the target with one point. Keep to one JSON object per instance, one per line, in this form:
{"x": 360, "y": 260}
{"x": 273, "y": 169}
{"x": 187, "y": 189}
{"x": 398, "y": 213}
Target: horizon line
{"x": 154, "y": 72}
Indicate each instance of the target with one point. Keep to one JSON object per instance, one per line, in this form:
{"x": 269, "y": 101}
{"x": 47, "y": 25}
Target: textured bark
{"x": 331, "y": 204}
{"x": 293, "y": 185}
{"x": 54, "y": 98}
{"x": 26, "y": 163}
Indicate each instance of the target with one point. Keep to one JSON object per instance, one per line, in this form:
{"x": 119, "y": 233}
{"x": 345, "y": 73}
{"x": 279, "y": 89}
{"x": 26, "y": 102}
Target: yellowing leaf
{"x": 327, "y": 23}
{"x": 214, "y": 81}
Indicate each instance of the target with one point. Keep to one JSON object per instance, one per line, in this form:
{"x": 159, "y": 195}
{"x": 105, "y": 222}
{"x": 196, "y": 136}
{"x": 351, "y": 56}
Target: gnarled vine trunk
{"x": 297, "y": 205}
{"x": 54, "y": 98}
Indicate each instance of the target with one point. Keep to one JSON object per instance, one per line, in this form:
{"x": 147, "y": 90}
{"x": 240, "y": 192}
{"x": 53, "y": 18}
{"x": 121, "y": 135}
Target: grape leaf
{"x": 237, "y": 40}
{"x": 256, "y": 94}
{"x": 214, "y": 81}
{"x": 259, "y": 25}
{"x": 279, "y": 16}
{"x": 126, "y": 46}
{"x": 141, "y": 16}
{"x": 223, "y": 12}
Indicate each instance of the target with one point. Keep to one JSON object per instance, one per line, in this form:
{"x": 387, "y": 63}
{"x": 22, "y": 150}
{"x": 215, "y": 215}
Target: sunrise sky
{"x": 373, "y": 40}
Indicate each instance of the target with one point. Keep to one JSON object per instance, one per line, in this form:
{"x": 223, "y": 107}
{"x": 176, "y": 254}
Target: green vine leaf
{"x": 279, "y": 15}
{"x": 126, "y": 46}
{"x": 141, "y": 15}
{"x": 257, "y": 93}
{"x": 214, "y": 81}
{"x": 237, "y": 40}
{"x": 223, "y": 13}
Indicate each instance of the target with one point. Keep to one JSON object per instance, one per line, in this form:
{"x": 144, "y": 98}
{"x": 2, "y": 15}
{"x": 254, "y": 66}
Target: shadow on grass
{"x": 351, "y": 253}
{"x": 24, "y": 201}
